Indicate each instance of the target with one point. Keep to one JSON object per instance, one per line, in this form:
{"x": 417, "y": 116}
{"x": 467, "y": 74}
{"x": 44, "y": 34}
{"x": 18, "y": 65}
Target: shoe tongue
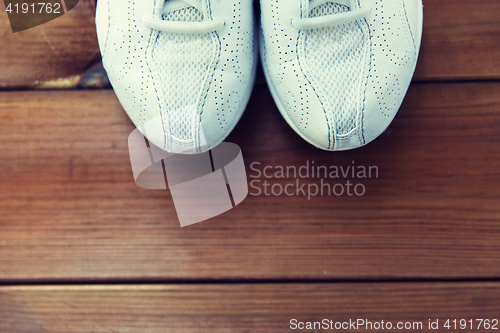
{"x": 187, "y": 14}
{"x": 318, "y": 3}
{"x": 329, "y": 7}
{"x": 343, "y": 2}
{"x": 182, "y": 11}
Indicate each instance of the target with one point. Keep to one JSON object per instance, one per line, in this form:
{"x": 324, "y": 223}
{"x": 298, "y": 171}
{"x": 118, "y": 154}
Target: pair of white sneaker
{"x": 183, "y": 70}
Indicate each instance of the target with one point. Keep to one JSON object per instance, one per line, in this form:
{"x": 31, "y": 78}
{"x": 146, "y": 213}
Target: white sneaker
{"x": 183, "y": 70}
{"x": 339, "y": 70}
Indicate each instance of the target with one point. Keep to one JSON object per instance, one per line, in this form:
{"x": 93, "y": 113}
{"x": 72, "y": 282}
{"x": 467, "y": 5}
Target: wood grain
{"x": 255, "y": 308}
{"x": 70, "y": 210}
{"x": 59, "y": 54}
{"x": 461, "y": 41}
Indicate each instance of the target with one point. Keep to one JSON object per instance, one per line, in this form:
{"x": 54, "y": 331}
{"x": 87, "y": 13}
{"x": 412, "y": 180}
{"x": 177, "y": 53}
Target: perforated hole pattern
{"x": 387, "y": 97}
{"x": 228, "y": 101}
{"x": 335, "y": 58}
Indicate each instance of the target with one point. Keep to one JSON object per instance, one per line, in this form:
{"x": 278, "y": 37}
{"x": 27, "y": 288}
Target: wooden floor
{"x": 83, "y": 249}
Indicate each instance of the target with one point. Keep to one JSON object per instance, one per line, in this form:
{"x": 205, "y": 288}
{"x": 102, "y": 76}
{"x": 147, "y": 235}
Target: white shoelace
{"x": 187, "y": 28}
{"x": 328, "y": 20}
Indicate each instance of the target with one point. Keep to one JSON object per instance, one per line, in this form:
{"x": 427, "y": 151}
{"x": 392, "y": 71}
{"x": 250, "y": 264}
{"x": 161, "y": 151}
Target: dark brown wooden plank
{"x": 461, "y": 40}
{"x": 252, "y": 308}
{"x": 70, "y": 209}
{"x": 58, "y": 54}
